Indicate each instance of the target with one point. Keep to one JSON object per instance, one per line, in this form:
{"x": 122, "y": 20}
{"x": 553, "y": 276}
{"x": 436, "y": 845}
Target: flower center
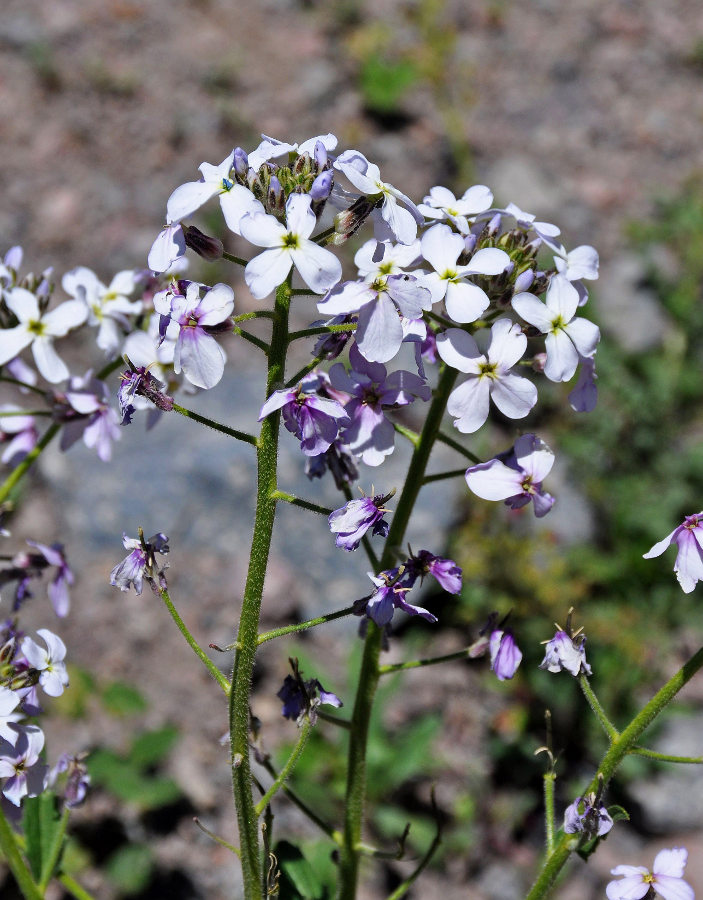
{"x": 36, "y": 326}
{"x": 487, "y": 369}
{"x": 290, "y": 241}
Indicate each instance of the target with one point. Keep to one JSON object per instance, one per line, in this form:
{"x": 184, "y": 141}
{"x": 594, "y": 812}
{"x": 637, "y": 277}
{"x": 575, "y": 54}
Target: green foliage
{"x": 299, "y": 879}
{"x": 130, "y": 868}
{"x": 43, "y": 831}
{"x": 384, "y": 82}
{"x": 122, "y": 699}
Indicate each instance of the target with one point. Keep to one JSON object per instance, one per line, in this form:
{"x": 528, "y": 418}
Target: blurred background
{"x": 588, "y": 116}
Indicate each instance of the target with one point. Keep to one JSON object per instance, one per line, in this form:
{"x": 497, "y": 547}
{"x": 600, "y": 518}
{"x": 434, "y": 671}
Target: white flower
{"x": 270, "y": 148}
{"x": 39, "y": 330}
{"x": 108, "y": 307}
{"x": 489, "y": 375}
{"x": 50, "y": 662}
{"x": 288, "y": 246}
{"x": 442, "y": 204}
{"x": 567, "y": 338}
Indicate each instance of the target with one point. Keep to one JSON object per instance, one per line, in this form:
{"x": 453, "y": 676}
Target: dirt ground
{"x": 581, "y": 113}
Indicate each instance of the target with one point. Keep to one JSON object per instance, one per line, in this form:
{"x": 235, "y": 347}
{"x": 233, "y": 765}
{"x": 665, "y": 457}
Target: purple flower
{"x": 301, "y": 698}
{"x": 62, "y": 580}
{"x": 351, "y": 522}
{"x": 85, "y": 412}
{"x": 666, "y": 878}
{"x": 141, "y": 562}
{"x": 505, "y": 654}
{"x": 312, "y": 418}
{"x": 517, "y": 477}
{"x": 369, "y": 434}
{"x": 584, "y": 396}
{"x": 139, "y": 382}
{"x": 688, "y": 537}
{"x": 586, "y": 815}
{"x": 20, "y": 765}
{"x": 18, "y": 431}
{"x": 566, "y": 653}
{"x": 389, "y": 595}
{"x": 77, "y": 779}
{"x": 444, "y": 571}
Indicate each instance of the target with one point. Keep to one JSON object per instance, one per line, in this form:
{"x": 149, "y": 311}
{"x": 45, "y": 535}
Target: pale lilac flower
{"x": 375, "y": 259}
{"x": 666, "y": 878}
{"x": 136, "y": 383}
{"x": 85, "y": 412}
{"x": 9, "y": 267}
{"x": 141, "y": 562}
{"x": 688, "y": 537}
{"x": 567, "y": 338}
{"x": 380, "y": 306}
{"x": 366, "y": 177}
{"x": 584, "y": 396}
{"x": 581, "y": 262}
{"x": 489, "y": 375}
{"x": 442, "y": 204}
{"x": 20, "y": 765}
{"x": 516, "y": 477}
{"x": 315, "y": 420}
{"x": 564, "y": 653}
{"x": 351, "y": 522}
{"x": 9, "y": 701}
{"x": 63, "y": 578}
{"x": 545, "y": 231}
{"x": 108, "y": 307}
{"x": 169, "y": 246}
{"x": 465, "y": 301}
{"x": 505, "y": 654}
{"x": 48, "y": 662}
{"x": 197, "y": 353}
{"x": 18, "y": 432}
{"x": 388, "y": 596}
{"x": 586, "y": 816}
{"x": 272, "y": 149}
{"x": 288, "y": 246}
{"x": 77, "y": 779}
{"x": 38, "y": 329}
{"x": 369, "y": 434}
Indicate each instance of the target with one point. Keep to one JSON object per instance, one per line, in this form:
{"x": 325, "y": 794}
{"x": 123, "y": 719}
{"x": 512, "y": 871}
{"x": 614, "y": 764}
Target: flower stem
{"x": 455, "y": 445}
{"x": 247, "y": 636}
{"x": 666, "y": 757}
{"x": 302, "y": 626}
{"x": 18, "y": 472}
{"x": 193, "y": 644}
{"x": 321, "y": 329}
{"x": 74, "y": 888}
{"x": 217, "y": 426}
{"x": 549, "y": 779}
{"x": 303, "y": 504}
{"x": 287, "y": 768}
{"x": 369, "y": 674}
{"x": 19, "y": 869}
{"x": 234, "y": 259}
{"x": 419, "y": 663}
{"x": 594, "y": 703}
{"x": 442, "y": 476}
{"x": 303, "y": 807}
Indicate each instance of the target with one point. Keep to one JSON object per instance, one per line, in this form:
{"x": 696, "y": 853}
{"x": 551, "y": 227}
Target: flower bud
{"x": 240, "y": 163}
{"x": 349, "y": 221}
{"x": 320, "y": 154}
{"x": 322, "y": 185}
{"x": 209, "y": 248}
{"x": 524, "y": 281}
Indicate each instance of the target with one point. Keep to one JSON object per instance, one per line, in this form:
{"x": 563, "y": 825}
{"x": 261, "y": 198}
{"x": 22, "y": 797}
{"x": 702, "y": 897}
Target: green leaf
{"x": 130, "y": 868}
{"x": 42, "y": 823}
{"x": 125, "y": 779}
{"x": 122, "y": 699}
{"x": 383, "y": 83}
{"x": 152, "y": 747}
{"x": 298, "y": 880}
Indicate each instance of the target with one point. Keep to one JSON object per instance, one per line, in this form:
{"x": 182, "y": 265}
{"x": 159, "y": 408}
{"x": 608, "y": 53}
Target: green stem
{"x": 549, "y": 779}
{"x": 26, "y": 412}
{"x": 217, "y": 426}
{"x": 287, "y": 768}
{"x": 407, "y": 433}
{"x": 23, "y": 384}
{"x": 303, "y": 807}
{"x": 216, "y": 838}
{"x": 369, "y": 674}
{"x": 403, "y": 888}
{"x": 619, "y": 748}
{"x": 455, "y": 445}
{"x": 193, "y": 644}
{"x": 303, "y": 504}
{"x": 303, "y": 626}
{"x": 259, "y": 314}
{"x": 301, "y": 373}
{"x": 22, "y": 467}
{"x": 12, "y": 855}
{"x": 419, "y": 663}
{"x": 594, "y": 703}
{"x": 257, "y": 342}
{"x": 321, "y": 329}
{"x": 247, "y": 637}
{"x": 235, "y": 259}
{"x": 666, "y": 757}
{"x": 72, "y": 886}
{"x": 442, "y": 476}
{"x": 52, "y": 857}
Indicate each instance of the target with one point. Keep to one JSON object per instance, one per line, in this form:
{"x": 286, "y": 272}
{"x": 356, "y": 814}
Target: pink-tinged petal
{"x": 585, "y": 336}
{"x": 300, "y": 218}
{"x": 689, "y": 561}
{"x": 318, "y": 268}
{"x": 216, "y": 305}
{"x": 379, "y": 333}
{"x": 469, "y": 404}
{"x": 266, "y": 271}
{"x": 489, "y": 261}
{"x": 68, "y": 315}
{"x": 50, "y": 365}
{"x": 276, "y": 401}
{"x": 632, "y": 887}
{"x": 514, "y": 396}
{"x": 671, "y": 888}
{"x": 22, "y": 303}
{"x": 698, "y": 532}
{"x": 400, "y": 221}
{"x": 188, "y": 197}
{"x": 534, "y": 456}
{"x": 465, "y": 302}
{"x": 508, "y": 343}
{"x": 345, "y": 298}
{"x": 562, "y": 358}
{"x": 262, "y": 230}
{"x": 200, "y": 357}
{"x": 236, "y": 203}
{"x": 533, "y": 311}
{"x": 13, "y": 341}
{"x": 441, "y": 247}
{"x": 661, "y": 545}
{"x": 494, "y": 480}
{"x": 169, "y": 246}
{"x": 459, "y": 350}
{"x": 670, "y": 862}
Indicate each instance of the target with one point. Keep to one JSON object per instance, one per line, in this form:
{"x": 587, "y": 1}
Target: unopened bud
{"x": 322, "y": 185}
{"x": 524, "y": 281}
{"x": 209, "y": 248}
{"x": 320, "y": 153}
{"x": 240, "y": 163}
{"x": 350, "y": 220}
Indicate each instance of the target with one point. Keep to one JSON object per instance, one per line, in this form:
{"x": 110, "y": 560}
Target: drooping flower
{"x": 288, "y": 245}
{"x": 587, "y": 816}
{"x": 77, "y": 779}
{"x": 351, "y": 522}
{"x": 445, "y": 571}
{"x": 139, "y": 382}
{"x": 141, "y": 562}
{"x": 63, "y": 578}
{"x": 688, "y": 537}
{"x": 666, "y": 878}
{"x": 516, "y": 477}
{"x": 564, "y": 653}
{"x": 389, "y": 595}
{"x": 301, "y": 698}
{"x": 85, "y": 412}
{"x": 568, "y": 338}
{"x": 506, "y": 656}
{"x": 489, "y": 375}
{"x": 48, "y": 662}
{"x": 38, "y": 329}
{"x": 18, "y": 432}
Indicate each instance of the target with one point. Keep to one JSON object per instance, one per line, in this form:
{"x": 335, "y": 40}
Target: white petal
{"x": 262, "y": 230}
{"x": 459, "y": 350}
{"x": 379, "y": 333}
{"x": 266, "y": 271}
{"x": 562, "y": 358}
{"x": 216, "y": 305}
{"x": 200, "y": 357}
{"x": 494, "y": 480}
{"x": 237, "y": 203}
{"x": 68, "y": 315}
{"x": 401, "y": 222}
{"x": 318, "y": 268}
{"x": 348, "y": 297}
{"x": 441, "y": 247}
{"x": 465, "y": 302}
{"x": 585, "y": 336}
{"x": 169, "y": 246}
{"x": 300, "y": 218}
{"x": 469, "y": 403}
{"x": 48, "y": 362}
{"x": 533, "y": 311}
{"x": 489, "y": 261}
{"x": 13, "y": 341}
{"x": 514, "y": 396}
{"x": 22, "y": 303}
{"x": 508, "y": 343}
{"x": 562, "y": 298}
{"x": 475, "y": 200}
{"x": 671, "y": 862}
{"x": 187, "y": 198}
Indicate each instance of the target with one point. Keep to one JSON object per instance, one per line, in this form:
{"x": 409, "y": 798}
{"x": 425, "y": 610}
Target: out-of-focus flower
{"x": 77, "y": 779}
{"x": 666, "y": 878}
{"x": 506, "y": 656}
{"x": 48, "y": 662}
{"x": 301, "y": 697}
{"x": 688, "y": 537}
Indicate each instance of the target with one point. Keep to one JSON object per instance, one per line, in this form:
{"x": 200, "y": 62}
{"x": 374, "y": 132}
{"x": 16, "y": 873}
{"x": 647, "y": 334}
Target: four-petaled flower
{"x": 49, "y": 663}
{"x": 351, "y": 522}
{"x": 688, "y": 537}
{"x": 440, "y": 203}
{"x": 666, "y": 878}
{"x": 563, "y": 652}
{"x": 587, "y": 816}
{"x": 141, "y": 562}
